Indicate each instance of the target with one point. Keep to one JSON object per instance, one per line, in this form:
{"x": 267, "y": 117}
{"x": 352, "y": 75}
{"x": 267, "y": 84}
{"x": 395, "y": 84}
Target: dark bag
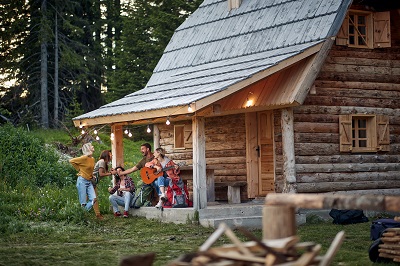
{"x": 144, "y": 197}
{"x": 348, "y": 216}
{"x": 378, "y": 226}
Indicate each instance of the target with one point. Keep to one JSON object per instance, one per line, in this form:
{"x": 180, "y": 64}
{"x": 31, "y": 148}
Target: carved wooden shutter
{"x": 342, "y": 38}
{"x": 382, "y": 29}
{"x": 345, "y": 133}
{"x": 382, "y": 127}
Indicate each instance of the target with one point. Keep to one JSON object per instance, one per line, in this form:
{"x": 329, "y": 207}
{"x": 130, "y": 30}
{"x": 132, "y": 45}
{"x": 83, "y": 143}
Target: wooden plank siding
{"x": 352, "y": 81}
{"x": 225, "y": 149}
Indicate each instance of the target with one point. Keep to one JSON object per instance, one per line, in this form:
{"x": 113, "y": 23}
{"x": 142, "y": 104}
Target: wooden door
{"x": 266, "y": 173}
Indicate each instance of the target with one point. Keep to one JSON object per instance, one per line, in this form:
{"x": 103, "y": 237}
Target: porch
{"x": 246, "y": 214}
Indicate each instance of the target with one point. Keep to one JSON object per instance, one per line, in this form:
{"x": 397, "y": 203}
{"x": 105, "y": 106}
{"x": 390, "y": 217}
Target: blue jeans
{"x": 162, "y": 181}
{"x": 86, "y": 192}
{"x": 125, "y": 201}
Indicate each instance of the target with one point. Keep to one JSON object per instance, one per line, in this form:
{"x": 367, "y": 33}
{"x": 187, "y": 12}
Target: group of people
{"x": 122, "y": 192}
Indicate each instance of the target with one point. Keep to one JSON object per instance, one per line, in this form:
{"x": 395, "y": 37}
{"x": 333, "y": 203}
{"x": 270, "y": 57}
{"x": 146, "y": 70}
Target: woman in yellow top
{"x": 85, "y": 165}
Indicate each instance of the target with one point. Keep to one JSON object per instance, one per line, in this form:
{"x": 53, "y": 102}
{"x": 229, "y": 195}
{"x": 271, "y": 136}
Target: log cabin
{"x": 274, "y": 96}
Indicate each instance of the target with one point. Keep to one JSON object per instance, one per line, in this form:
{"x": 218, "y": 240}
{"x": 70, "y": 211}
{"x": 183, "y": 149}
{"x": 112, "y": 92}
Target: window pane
{"x": 362, "y": 123}
{"x": 351, "y": 40}
{"x": 361, "y": 41}
{"x": 362, "y": 30}
{"x": 351, "y": 29}
{"x": 361, "y": 20}
{"x": 362, "y": 143}
{"x": 362, "y": 133}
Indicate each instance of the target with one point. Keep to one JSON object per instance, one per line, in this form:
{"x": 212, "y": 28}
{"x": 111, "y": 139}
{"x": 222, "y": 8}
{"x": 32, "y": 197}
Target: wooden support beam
{"x": 199, "y": 163}
{"x": 289, "y": 166}
{"x": 327, "y": 201}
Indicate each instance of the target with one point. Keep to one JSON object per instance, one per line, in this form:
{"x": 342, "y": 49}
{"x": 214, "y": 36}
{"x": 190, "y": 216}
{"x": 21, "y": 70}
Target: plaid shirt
{"x": 128, "y": 184}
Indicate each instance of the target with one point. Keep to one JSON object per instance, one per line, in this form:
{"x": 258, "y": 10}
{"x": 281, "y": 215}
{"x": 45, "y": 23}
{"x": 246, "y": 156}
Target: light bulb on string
{"x": 83, "y": 131}
{"x": 126, "y": 131}
{"x": 167, "y": 122}
{"x": 97, "y": 138}
{"x": 80, "y": 124}
{"x": 112, "y": 136}
{"x": 190, "y": 108}
{"x": 129, "y": 134}
{"x": 95, "y": 132}
{"x": 148, "y": 129}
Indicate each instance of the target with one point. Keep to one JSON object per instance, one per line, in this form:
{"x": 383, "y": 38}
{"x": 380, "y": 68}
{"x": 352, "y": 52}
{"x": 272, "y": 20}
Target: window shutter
{"x": 188, "y": 136}
{"x": 345, "y": 133}
{"x": 382, "y": 29}
{"x": 382, "y": 126}
{"x": 342, "y": 38}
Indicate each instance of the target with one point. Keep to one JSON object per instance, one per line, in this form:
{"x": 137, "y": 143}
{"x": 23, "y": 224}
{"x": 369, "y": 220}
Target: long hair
{"x": 105, "y": 155}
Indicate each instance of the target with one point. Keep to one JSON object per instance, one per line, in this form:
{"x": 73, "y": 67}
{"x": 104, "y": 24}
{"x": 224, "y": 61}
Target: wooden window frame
{"x": 377, "y": 30}
{"x": 376, "y": 137}
{"x": 357, "y": 34}
{"x": 182, "y": 136}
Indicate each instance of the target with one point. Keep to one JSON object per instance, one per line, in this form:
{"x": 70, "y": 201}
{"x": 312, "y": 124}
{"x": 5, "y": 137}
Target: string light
{"x": 95, "y": 132}
{"x": 126, "y": 131}
{"x": 129, "y": 134}
{"x": 168, "y": 122}
{"x": 190, "y": 108}
{"x": 112, "y": 136}
{"x": 148, "y": 129}
{"x": 97, "y": 138}
{"x": 83, "y": 131}
{"x": 80, "y": 124}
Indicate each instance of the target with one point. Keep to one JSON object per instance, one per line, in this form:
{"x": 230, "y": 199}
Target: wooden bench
{"x": 233, "y": 190}
{"x": 233, "y": 186}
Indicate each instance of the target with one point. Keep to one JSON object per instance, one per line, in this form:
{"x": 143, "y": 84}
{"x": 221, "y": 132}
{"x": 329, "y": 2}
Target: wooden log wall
{"x": 352, "y": 81}
{"x": 225, "y": 149}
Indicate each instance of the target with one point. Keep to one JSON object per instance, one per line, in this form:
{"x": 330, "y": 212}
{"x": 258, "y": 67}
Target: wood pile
{"x": 285, "y": 251}
{"x": 390, "y": 248}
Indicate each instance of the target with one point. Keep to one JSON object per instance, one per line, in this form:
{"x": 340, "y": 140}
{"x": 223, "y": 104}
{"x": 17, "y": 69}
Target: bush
{"x": 27, "y": 162}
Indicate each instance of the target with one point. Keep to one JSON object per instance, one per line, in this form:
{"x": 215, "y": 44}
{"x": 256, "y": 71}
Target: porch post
{"x": 199, "y": 164}
{"x": 117, "y": 146}
{"x": 156, "y": 137}
{"x": 289, "y": 164}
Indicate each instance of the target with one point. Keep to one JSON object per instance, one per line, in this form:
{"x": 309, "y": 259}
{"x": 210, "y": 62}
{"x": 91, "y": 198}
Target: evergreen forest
{"x": 60, "y": 59}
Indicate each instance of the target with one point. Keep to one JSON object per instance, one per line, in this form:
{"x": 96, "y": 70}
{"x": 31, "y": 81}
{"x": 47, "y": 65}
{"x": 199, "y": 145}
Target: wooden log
{"x": 368, "y": 102}
{"x": 339, "y": 186}
{"x": 343, "y": 167}
{"x": 338, "y": 110}
{"x": 347, "y": 177}
{"x": 326, "y": 201}
{"x": 345, "y": 158}
{"x": 357, "y": 85}
{"x": 278, "y": 221}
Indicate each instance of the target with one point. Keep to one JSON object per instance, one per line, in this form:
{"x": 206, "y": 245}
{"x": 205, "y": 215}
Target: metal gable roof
{"x": 215, "y": 49}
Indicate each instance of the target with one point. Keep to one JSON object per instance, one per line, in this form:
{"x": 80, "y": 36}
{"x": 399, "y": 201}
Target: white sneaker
{"x": 159, "y": 204}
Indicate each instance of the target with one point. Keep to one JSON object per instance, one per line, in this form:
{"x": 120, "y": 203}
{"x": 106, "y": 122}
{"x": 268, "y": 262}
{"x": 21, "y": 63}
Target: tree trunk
{"x": 56, "y": 97}
{"x": 43, "y": 71}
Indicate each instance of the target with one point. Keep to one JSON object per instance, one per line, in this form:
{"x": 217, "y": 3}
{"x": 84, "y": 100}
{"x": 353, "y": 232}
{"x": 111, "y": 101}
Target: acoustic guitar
{"x": 148, "y": 174}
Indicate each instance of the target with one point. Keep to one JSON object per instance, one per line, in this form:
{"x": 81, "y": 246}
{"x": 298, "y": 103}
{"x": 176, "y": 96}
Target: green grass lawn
{"x": 106, "y": 242}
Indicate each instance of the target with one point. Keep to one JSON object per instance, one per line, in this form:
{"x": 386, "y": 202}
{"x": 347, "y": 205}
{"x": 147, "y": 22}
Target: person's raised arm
{"x": 130, "y": 170}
